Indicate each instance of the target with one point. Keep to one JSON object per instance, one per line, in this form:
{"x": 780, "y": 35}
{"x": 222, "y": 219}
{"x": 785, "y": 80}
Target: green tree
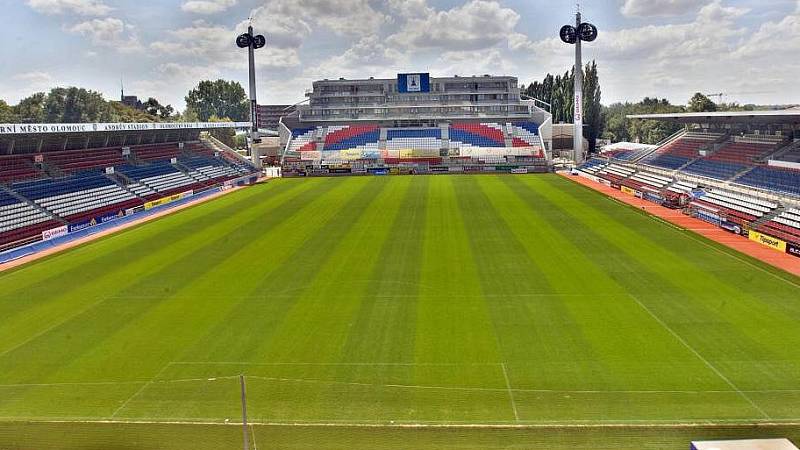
{"x": 701, "y": 103}
{"x": 7, "y": 114}
{"x": 592, "y": 107}
{"x": 155, "y": 108}
{"x": 31, "y": 109}
{"x": 75, "y": 105}
{"x": 619, "y": 129}
{"x": 226, "y": 135}
{"x": 125, "y": 114}
{"x": 559, "y": 92}
{"x": 224, "y": 99}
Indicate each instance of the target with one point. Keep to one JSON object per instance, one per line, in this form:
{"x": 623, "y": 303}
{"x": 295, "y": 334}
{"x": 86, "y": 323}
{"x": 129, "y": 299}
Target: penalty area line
{"x": 701, "y": 357}
{"x": 510, "y": 392}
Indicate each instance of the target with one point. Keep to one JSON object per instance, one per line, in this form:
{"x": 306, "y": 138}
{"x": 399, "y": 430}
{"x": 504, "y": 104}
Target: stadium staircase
{"x": 123, "y": 182}
{"x": 228, "y": 153}
{"x": 383, "y": 137}
{"x": 740, "y": 174}
{"x": 791, "y": 147}
{"x": 52, "y": 170}
{"x": 670, "y": 139}
{"x": 769, "y": 217}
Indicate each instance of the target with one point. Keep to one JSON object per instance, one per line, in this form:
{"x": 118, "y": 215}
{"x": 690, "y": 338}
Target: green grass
{"x": 463, "y": 300}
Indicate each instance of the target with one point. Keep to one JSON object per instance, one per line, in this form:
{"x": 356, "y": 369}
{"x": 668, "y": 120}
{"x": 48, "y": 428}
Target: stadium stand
{"x": 78, "y": 187}
{"x": 780, "y": 180}
{"x": 738, "y": 208}
{"x": 75, "y": 197}
{"x": 525, "y": 134}
{"x": 20, "y": 220}
{"x": 351, "y": 137}
{"x": 785, "y": 226}
{"x": 743, "y": 151}
{"x": 163, "y": 178}
{"x": 714, "y": 169}
{"x": 157, "y": 152}
{"x": 477, "y": 135}
{"x": 82, "y": 160}
{"x": 303, "y": 140}
{"x": 18, "y": 168}
{"x": 473, "y": 143}
{"x": 681, "y": 151}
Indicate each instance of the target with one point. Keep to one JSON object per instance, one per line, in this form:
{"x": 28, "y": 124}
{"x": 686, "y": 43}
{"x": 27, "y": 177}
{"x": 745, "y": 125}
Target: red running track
{"x": 772, "y": 257}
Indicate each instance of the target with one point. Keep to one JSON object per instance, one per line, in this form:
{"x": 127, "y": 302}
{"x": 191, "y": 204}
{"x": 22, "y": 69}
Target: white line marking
{"x": 88, "y": 383}
{"x": 740, "y": 259}
{"x": 253, "y": 435}
{"x": 700, "y": 357}
{"x": 694, "y": 236}
{"x": 529, "y": 424}
{"x": 246, "y": 363}
{"x": 510, "y": 392}
{"x": 407, "y": 386}
{"x": 141, "y": 389}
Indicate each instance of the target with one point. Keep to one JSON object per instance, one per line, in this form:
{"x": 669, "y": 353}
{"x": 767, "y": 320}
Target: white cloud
{"x": 214, "y": 45}
{"x": 369, "y": 56}
{"x": 341, "y": 17}
{"x": 170, "y": 82}
{"x": 477, "y": 24}
{"x": 207, "y": 6}
{"x": 109, "y": 32}
{"x": 81, "y": 7}
{"x": 468, "y": 63}
{"x": 655, "y": 8}
{"x": 771, "y": 39}
{"x": 35, "y": 77}
{"x": 410, "y": 8}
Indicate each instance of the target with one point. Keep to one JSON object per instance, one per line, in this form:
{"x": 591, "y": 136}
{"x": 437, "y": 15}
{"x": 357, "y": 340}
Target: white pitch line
{"x": 141, "y": 389}
{"x": 253, "y": 435}
{"x": 370, "y": 423}
{"x": 746, "y": 261}
{"x": 406, "y": 386}
{"x": 376, "y": 364}
{"x": 86, "y": 383}
{"x": 700, "y": 357}
{"x": 510, "y": 392}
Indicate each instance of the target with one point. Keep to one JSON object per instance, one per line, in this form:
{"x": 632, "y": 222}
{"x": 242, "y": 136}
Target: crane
{"x": 721, "y": 96}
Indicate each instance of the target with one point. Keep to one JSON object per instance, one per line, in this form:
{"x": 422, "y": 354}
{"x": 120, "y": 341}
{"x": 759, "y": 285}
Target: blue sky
{"x": 748, "y": 49}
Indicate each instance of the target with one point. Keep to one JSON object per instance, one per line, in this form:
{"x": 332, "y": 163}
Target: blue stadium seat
{"x": 785, "y": 181}
{"x": 668, "y": 161}
{"x": 355, "y": 141}
{"x": 714, "y": 169}
{"x": 435, "y": 133}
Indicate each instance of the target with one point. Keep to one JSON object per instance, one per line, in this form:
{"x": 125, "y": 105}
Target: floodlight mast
{"x": 251, "y": 55}
{"x": 577, "y": 142}
{"x": 252, "y": 43}
{"x": 573, "y": 36}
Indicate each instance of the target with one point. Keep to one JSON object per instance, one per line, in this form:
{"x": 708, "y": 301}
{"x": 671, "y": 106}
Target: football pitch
{"x": 356, "y": 306}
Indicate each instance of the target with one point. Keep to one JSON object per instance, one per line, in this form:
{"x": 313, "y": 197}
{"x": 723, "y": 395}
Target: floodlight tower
{"x": 587, "y": 32}
{"x": 252, "y": 43}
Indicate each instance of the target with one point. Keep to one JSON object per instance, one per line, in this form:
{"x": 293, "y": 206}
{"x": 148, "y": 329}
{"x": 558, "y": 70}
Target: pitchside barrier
{"x": 413, "y": 170}
{"x": 768, "y": 241}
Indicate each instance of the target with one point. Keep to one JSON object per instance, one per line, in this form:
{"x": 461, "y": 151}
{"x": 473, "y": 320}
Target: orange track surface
{"x": 772, "y": 257}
